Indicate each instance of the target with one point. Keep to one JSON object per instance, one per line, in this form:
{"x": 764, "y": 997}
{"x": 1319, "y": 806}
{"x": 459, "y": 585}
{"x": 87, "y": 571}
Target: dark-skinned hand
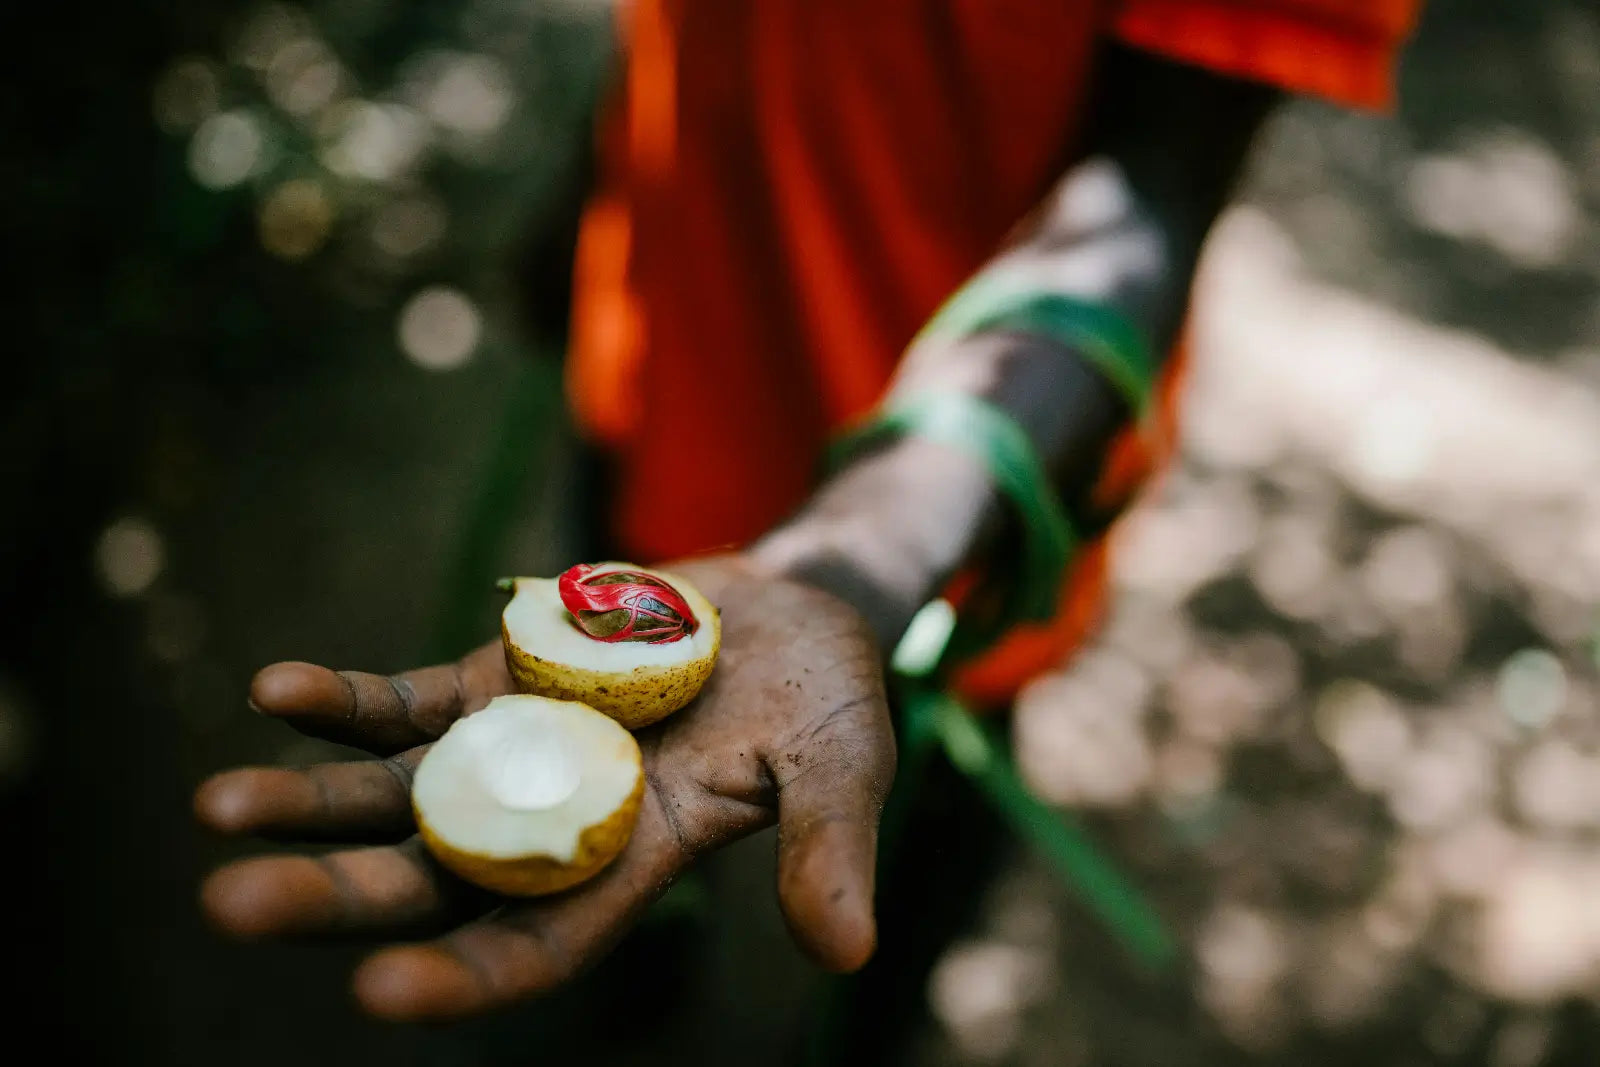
{"x": 792, "y": 726}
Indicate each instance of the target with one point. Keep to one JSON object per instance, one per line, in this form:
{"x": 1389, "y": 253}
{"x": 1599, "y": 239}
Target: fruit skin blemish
{"x": 635, "y": 643}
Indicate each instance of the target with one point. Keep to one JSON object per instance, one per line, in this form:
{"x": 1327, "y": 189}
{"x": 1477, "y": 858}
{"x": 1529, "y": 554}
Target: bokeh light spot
{"x": 295, "y": 219}
{"x": 1245, "y": 956}
{"x": 1532, "y": 687}
{"x": 227, "y": 149}
{"x": 1406, "y": 569}
{"x": 1292, "y": 567}
{"x": 439, "y": 328}
{"x": 1448, "y": 778}
{"x": 304, "y": 77}
{"x": 1507, "y": 190}
{"x": 979, "y": 989}
{"x": 270, "y": 28}
{"x": 1556, "y": 786}
{"x": 471, "y": 95}
{"x": 129, "y": 557}
{"x": 1532, "y": 944}
{"x": 379, "y": 142}
{"x": 1080, "y": 743}
{"x": 408, "y": 226}
{"x": 1365, "y": 728}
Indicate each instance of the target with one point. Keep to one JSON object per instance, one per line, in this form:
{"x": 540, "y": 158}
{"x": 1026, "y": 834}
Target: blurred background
{"x": 281, "y": 385}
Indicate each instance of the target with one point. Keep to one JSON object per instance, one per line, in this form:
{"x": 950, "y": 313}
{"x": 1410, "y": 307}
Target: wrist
{"x": 886, "y": 532}
{"x": 1067, "y": 408}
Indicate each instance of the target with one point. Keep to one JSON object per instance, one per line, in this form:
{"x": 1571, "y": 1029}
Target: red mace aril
{"x": 614, "y": 606}
{"x": 630, "y": 641}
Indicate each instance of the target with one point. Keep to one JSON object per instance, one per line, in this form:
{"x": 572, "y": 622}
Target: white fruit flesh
{"x": 531, "y": 772}
{"x": 525, "y": 776}
{"x": 539, "y": 624}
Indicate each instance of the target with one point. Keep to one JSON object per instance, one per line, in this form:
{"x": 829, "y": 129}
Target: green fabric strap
{"x": 1100, "y": 335}
{"x": 982, "y": 430}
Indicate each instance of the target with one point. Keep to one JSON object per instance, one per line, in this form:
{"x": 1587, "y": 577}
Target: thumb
{"x": 828, "y": 813}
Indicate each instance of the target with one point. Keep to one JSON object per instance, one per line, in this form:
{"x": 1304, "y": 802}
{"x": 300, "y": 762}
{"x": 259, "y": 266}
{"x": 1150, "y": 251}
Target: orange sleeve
{"x": 1342, "y": 50}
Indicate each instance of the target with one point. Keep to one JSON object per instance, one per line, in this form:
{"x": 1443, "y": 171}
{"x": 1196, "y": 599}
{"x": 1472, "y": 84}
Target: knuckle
{"x": 401, "y": 770}
{"x": 405, "y": 697}
{"x": 353, "y": 701}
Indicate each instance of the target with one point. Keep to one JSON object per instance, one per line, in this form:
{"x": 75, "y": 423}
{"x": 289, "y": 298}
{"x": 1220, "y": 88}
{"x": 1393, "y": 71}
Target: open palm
{"x": 792, "y": 726}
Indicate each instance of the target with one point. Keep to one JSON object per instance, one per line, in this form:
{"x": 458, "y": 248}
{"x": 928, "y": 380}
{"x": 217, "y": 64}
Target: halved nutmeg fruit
{"x": 635, "y": 643}
{"x": 529, "y": 795}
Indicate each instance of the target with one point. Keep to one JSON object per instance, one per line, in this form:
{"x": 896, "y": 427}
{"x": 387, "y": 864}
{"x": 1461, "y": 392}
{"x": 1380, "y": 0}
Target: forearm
{"x": 1122, "y": 229}
{"x": 886, "y": 532}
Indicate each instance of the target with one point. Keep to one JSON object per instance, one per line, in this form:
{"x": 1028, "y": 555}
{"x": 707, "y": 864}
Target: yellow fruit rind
{"x": 532, "y": 876}
{"x": 635, "y": 699}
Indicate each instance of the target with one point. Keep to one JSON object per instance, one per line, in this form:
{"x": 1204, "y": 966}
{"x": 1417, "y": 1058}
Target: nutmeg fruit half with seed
{"x": 529, "y": 795}
{"x": 634, "y": 643}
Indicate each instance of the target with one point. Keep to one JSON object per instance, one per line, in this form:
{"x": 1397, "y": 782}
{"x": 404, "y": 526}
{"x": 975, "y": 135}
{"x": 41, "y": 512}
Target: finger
{"x": 831, "y": 789}
{"x": 530, "y": 947}
{"x": 389, "y": 891}
{"x": 377, "y": 712}
{"x": 367, "y": 801}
